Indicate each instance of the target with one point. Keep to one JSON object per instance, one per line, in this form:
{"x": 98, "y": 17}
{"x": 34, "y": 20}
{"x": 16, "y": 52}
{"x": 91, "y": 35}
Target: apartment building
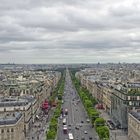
{"x": 134, "y": 125}
{"x": 124, "y": 99}
{"x": 107, "y": 92}
{"x": 12, "y": 126}
{"x": 117, "y": 97}
{"x": 21, "y": 96}
{"x": 26, "y": 105}
{"x": 119, "y": 108}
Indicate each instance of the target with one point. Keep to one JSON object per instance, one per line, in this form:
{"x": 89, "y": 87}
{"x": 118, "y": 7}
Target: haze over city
{"x": 64, "y": 31}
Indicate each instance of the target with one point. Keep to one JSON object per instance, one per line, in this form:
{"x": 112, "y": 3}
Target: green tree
{"x": 93, "y": 115}
{"x": 59, "y": 96}
{"x": 94, "y": 101}
{"x": 88, "y": 103}
{"x": 51, "y": 135}
{"x": 57, "y": 112}
{"x": 53, "y": 124}
{"x": 99, "y": 122}
{"x": 103, "y": 132}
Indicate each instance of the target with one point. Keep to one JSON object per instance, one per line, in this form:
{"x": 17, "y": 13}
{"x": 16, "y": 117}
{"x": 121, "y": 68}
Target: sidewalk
{"x": 46, "y": 125}
{"x": 117, "y": 134}
{"x": 39, "y": 127}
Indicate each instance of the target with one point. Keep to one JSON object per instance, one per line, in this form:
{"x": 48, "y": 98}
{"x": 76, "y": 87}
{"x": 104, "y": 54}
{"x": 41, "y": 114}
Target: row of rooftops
{"x": 33, "y": 83}
{"x": 16, "y": 101}
{"x": 10, "y": 118}
{"x": 104, "y": 78}
{"x": 7, "y": 118}
{"x": 117, "y": 74}
{"x": 21, "y": 78}
{"x": 9, "y": 86}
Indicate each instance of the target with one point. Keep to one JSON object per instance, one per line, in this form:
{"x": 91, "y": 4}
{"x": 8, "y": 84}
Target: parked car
{"x": 110, "y": 124}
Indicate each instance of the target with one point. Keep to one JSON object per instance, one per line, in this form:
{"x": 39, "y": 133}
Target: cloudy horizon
{"x": 64, "y": 31}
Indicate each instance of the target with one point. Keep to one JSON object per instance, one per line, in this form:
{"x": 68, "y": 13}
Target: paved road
{"x": 76, "y": 114}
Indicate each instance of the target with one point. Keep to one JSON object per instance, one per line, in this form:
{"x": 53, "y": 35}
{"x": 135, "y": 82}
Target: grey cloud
{"x": 62, "y": 31}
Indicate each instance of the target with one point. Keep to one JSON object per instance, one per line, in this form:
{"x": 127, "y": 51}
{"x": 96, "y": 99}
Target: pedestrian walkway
{"x": 117, "y": 134}
{"x": 39, "y": 127}
{"x": 46, "y": 125}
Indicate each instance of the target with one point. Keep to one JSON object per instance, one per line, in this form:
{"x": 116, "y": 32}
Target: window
{"x": 138, "y": 127}
{"x": 12, "y": 130}
{"x": 137, "y": 103}
{"x": 2, "y": 130}
{"x": 133, "y": 98}
{"x": 130, "y": 103}
{"x": 7, "y": 130}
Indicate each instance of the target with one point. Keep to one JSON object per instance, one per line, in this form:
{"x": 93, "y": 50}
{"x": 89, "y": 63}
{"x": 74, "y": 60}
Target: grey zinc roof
{"x": 10, "y": 118}
{"x": 6, "y": 102}
{"x": 136, "y": 115}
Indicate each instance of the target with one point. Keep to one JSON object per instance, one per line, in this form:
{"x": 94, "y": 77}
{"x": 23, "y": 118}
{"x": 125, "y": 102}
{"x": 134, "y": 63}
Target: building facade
{"x": 134, "y": 126}
{"x": 12, "y": 126}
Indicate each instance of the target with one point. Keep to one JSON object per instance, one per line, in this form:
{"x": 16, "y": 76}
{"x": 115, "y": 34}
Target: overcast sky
{"x": 69, "y": 31}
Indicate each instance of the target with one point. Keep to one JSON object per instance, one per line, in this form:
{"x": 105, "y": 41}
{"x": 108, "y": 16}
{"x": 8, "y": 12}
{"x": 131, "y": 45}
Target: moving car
{"x": 64, "y": 121}
{"x": 65, "y": 129}
{"x": 66, "y": 111}
{"x": 77, "y": 127}
{"x": 70, "y": 136}
{"x": 85, "y": 132}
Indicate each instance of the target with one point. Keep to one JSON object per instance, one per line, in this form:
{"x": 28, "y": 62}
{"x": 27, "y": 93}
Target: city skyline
{"x": 69, "y": 31}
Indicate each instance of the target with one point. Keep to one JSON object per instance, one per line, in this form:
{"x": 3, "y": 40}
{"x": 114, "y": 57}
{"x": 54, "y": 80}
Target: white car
{"x": 64, "y": 121}
{"x": 88, "y": 120}
{"x": 85, "y": 132}
{"x": 70, "y": 136}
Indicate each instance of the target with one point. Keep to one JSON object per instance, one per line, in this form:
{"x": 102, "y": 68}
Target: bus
{"x": 71, "y": 136}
